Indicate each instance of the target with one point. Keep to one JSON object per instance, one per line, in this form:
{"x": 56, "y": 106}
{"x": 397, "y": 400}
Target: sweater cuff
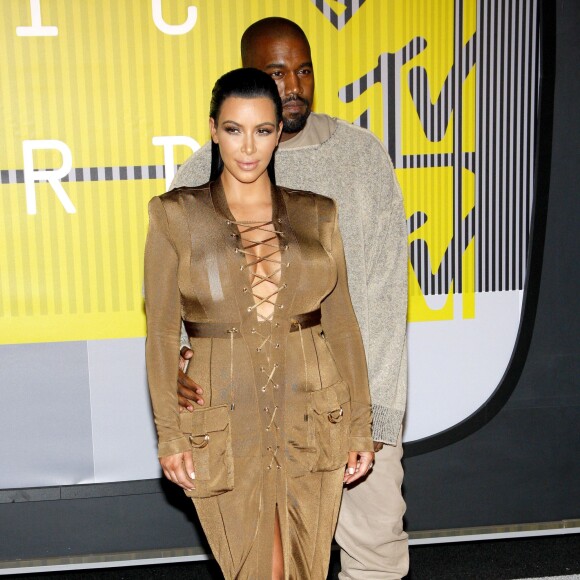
{"x": 386, "y": 424}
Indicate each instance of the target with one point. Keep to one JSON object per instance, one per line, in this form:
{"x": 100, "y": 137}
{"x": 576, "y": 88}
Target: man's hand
{"x": 187, "y": 389}
{"x": 359, "y": 463}
{"x": 378, "y": 445}
{"x": 179, "y": 469}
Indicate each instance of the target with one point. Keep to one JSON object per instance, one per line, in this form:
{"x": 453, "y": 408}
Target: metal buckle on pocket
{"x": 194, "y": 441}
{"x": 335, "y": 416}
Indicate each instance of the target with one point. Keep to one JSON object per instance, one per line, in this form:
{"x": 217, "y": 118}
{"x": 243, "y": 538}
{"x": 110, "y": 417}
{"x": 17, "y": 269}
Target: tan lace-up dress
{"x": 279, "y": 354}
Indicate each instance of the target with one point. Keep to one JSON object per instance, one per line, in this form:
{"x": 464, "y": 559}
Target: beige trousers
{"x": 370, "y": 532}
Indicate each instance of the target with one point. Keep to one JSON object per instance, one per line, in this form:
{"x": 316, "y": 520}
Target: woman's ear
{"x": 280, "y": 125}
{"x": 213, "y": 130}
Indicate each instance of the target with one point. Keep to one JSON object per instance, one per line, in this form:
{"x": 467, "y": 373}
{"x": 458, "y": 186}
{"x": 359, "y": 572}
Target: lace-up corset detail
{"x": 262, "y": 248}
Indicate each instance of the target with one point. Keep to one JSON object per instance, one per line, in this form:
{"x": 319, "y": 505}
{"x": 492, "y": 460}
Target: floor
{"x": 531, "y": 558}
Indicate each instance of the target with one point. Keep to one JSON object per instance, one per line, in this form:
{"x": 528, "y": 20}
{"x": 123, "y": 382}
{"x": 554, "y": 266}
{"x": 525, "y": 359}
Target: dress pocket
{"x": 209, "y": 434}
{"x": 330, "y": 414}
{"x": 301, "y": 449}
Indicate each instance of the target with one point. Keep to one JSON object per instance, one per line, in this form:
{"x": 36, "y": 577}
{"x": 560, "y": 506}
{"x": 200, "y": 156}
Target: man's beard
{"x": 297, "y": 122}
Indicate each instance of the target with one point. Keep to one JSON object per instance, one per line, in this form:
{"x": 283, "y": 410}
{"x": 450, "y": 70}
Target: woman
{"x": 257, "y": 274}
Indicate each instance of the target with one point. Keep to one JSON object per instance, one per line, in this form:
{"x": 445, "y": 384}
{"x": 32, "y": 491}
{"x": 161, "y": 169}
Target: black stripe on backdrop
{"x": 536, "y": 173}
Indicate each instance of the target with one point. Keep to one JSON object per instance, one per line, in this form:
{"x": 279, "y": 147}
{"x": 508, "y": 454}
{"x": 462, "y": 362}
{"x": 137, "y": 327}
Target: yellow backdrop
{"x": 102, "y": 78}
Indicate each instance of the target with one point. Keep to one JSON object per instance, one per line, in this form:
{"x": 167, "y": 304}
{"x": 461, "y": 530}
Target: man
{"x": 336, "y": 159}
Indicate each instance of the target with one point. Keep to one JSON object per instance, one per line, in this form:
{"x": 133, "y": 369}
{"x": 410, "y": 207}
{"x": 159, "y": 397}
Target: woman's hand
{"x": 359, "y": 463}
{"x": 179, "y": 469}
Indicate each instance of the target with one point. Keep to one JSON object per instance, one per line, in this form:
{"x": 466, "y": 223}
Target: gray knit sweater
{"x": 351, "y": 165}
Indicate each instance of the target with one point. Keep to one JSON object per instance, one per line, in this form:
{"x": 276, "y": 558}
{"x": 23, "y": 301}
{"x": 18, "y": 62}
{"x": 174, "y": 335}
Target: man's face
{"x": 287, "y": 60}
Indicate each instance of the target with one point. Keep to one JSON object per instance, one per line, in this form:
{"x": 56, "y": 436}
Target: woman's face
{"x": 247, "y": 134}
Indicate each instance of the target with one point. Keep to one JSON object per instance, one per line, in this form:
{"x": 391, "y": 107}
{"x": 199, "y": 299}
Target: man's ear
{"x": 213, "y": 130}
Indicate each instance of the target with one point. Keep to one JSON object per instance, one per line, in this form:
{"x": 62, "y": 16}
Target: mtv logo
{"x": 463, "y": 145}
{"x": 338, "y": 12}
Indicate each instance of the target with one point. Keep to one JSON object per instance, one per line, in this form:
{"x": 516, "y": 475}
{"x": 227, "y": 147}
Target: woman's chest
{"x": 267, "y": 267}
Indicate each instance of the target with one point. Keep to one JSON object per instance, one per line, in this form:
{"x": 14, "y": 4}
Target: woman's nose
{"x": 248, "y": 146}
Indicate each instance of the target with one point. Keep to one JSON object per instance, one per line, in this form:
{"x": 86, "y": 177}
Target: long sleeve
{"x": 344, "y": 338}
{"x": 385, "y": 232}
{"x": 193, "y": 172}
{"x": 163, "y": 309}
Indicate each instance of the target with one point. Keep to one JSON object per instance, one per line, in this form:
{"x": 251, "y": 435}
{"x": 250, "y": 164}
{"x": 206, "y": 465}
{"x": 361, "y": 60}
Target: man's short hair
{"x": 273, "y": 26}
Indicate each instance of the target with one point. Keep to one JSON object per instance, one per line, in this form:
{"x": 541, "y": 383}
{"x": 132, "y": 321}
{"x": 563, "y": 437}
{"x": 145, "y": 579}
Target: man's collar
{"x": 318, "y": 129}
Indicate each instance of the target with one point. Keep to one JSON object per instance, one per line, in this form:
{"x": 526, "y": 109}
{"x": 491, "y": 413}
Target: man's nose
{"x": 292, "y": 85}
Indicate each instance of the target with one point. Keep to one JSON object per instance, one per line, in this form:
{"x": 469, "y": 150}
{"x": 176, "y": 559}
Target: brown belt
{"x": 225, "y": 329}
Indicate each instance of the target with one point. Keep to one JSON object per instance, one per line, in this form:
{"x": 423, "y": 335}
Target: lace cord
{"x": 258, "y": 281}
{"x": 253, "y": 259}
{"x": 272, "y": 419}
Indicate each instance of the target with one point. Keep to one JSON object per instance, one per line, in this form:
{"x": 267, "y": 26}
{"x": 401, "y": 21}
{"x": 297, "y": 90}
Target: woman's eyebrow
{"x": 258, "y": 125}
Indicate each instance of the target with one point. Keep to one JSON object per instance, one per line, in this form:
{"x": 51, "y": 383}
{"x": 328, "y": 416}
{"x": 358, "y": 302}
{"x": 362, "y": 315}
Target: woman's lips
{"x": 247, "y": 165}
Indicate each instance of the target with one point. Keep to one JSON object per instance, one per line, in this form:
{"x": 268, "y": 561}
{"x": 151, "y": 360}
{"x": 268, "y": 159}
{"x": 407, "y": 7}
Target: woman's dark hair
{"x": 246, "y": 83}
